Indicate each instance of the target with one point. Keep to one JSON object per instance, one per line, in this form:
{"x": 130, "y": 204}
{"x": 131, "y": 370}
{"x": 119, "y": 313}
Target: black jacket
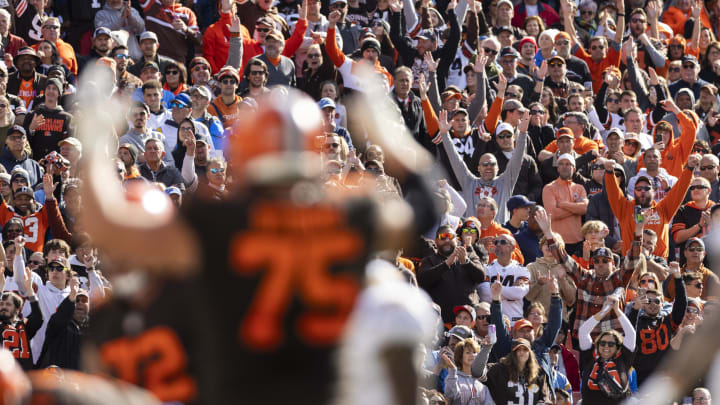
{"x": 62, "y": 339}
{"x": 599, "y": 209}
{"x": 414, "y": 118}
{"x": 12, "y": 337}
{"x": 13, "y": 85}
{"x": 44, "y": 139}
{"x": 450, "y": 286}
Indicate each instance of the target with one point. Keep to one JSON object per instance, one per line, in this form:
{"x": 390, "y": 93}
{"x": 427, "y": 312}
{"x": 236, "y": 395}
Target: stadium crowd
{"x": 575, "y": 165}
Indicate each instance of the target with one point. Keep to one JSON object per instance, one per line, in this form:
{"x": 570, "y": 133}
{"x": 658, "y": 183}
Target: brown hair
{"x": 531, "y": 370}
{"x": 460, "y": 350}
{"x": 56, "y": 244}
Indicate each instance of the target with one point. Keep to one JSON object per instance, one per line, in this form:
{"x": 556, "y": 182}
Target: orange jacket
{"x": 676, "y": 153}
{"x": 216, "y": 42}
{"x": 596, "y": 68}
{"x": 581, "y": 145}
{"x": 67, "y": 54}
{"x": 496, "y": 229}
{"x": 564, "y": 222}
{"x": 675, "y": 18}
{"x": 624, "y": 210}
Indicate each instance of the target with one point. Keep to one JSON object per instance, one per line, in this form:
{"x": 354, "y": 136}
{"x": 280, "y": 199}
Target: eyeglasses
{"x": 631, "y": 142}
{"x": 699, "y": 187}
{"x": 228, "y": 81}
{"x": 51, "y": 27}
{"x": 675, "y": 46}
{"x": 172, "y": 72}
{"x": 587, "y": 12}
{"x": 504, "y": 135}
{"x": 645, "y": 281}
{"x": 216, "y": 170}
{"x": 597, "y": 167}
{"x": 638, "y": 20}
{"x": 445, "y": 236}
{"x": 56, "y": 267}
{"x": 562, "y": 43}
{"x": 511, "y": 95}
{"x": 200, "y": 67}
{"x": 696, "y": 249}
{"x": 262, "y": 29}
{"x": 555, "y": 64}
{"x": 469, "y": 230}
{"x": 502, "y": 242}
{"x": 186, "y": 128}
{"x": 688, "y": 66}
{"x": 711, "y": 167}
{"x": 697, "y": 285}
{"x": 14, "y": 231}
{"x": 643, "y": 188}
{"x": 486, "y": 164}
{"x": 19, "y": 180}
{"x": 607, "y": 343}
{"x": 313, "y": 56}
{"x": 613, "y": 100}
{"x": 655, "y": 301}
{"x": 333, "y": 145}
{"x": 594, "y": 47}
{"x": 490, "y": 51}
{"x": 483, "y": 317}
{"x": 602, "y": 260}
{"x": 257, "y": 72}
{"x": 35, "y": 262}
{"x": 537, "y": 112}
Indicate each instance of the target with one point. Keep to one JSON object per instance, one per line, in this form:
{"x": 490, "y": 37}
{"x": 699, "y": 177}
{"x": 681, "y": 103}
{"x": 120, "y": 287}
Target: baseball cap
{"x": 5, "y": 177}
{"x": 568, "y": 157}
{"x": 517, "y": 343}
{"x": 183, "y": 100}
{"x": 459, "y": 111}
{"x": 508, "y": 2}
{"x": 518, "y": 201}
{"x": 564, "y": 132}
{"x": 82, "y": 292}
{"x": 71, "y": 141}
{"x": 276, "y": 35}
{"x": 102, "y": 31}
{"x": 601, "y": 252}
{"x": 467, "y": 308}
{"x": 632, "y": 136}
{"x": 513, "y": 104}
{"x": 644, "y": 178}
{"x": 557, "y": 58}
{"x": 59, "y": 259}
{"x": 504, "y": 127}
{"x": 150, "y": 65}
{"x": 460, "y": 332}
{"x": 521, "y": 323}
{"x": 690, "y": 58}
{"x": 615, "y": 131}
{"x": 20, "y": 172}
{"x": 326, "y": 102}
{"x": 148, "y": 35}
{"x": 173, "y": 190}
{"x": 202, "y": 90}
{"x": 337, "y": 1}
{"x": 426, "y": 34}
{"x": 694, "y": 240}
{"x": 199, "y": 60}
{"x": 17, "y": 129}
{"x": 448, "y": 94}
{"x": 509, "y": 51}
{"x": 24, "y": 190}
{"x": 266, "y": 21}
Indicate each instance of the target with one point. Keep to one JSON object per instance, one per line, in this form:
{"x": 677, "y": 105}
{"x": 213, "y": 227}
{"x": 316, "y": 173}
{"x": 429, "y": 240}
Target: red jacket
{"x": 548, "y": 15}
{"x": 216, "y": 43}
{"x": 252, "y": 48}
{"x": 14, "y": 44}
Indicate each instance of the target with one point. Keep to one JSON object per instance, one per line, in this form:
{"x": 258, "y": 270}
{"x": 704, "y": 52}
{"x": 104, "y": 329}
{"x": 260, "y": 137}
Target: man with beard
{"x": 101, "y": 42}
{"x": 567, "y": 203}
{"x": 662, "y": 181}
{"x": 121, "y": 56}
{"x": 226, "y": 106}
{"x": 644, "y": 193}
{"x": 450, "y": 275}
{"x": 63, "y": 335}
{"x": 17, "y": 331}
{"x": 654, "y": 330}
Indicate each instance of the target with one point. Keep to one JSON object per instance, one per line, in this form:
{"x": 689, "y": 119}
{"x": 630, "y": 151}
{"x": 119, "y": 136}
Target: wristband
{"x": 235, "y": 35}
{"x": 620, "y": 14}
{"x": 32, "y": 298}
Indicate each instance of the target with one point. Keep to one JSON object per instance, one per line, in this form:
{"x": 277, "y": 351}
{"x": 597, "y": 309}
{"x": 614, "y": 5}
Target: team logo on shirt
{"x": 486, "y": 191}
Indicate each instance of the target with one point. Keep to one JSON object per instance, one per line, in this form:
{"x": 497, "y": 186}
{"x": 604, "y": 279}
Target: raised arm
{"x": 460, "y": 169}
{"x": 636, "y": 80}
{"x": 611, "y": 303}
{"x": 331, "y": 45}
{"x": 478, "y": 366}
{"x": 620, "y": 27}
{"x": 502, "y": 346}
{"x": 680, "y": 304}
{"x": 235, "y": 52}
{"x": 479, "y": 100}
{"x": 512, "y": 171}
{"x": 695, "y": 9}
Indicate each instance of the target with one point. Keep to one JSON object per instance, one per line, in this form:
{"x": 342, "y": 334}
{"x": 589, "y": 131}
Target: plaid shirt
{"x": 592, "y": 290}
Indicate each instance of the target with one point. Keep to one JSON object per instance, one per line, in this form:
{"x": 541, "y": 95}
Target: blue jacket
{"x": 33, "y": 168}
{"x": 529, "y": 244}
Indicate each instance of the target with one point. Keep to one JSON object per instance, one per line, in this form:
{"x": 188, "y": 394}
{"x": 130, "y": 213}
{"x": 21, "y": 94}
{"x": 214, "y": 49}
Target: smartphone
{"x": 638, "y": 216}
{"x": 658, "y": 137}
{"x": 492, "y": 333}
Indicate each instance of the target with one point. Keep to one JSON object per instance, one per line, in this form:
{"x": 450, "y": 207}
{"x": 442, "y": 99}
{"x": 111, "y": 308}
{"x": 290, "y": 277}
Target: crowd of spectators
{"x": 575, "y": 161}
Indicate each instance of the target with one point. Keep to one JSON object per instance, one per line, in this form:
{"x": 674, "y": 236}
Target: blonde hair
{"x": 593, "y": 226}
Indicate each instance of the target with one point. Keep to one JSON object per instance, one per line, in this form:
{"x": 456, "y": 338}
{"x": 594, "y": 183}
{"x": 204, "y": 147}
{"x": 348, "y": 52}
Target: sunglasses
{"x": 674, "y": 69}
{"x": 35, "y": 262}
{"x": 537, "y": 112}
{"x": 597, "y": 167}
{"x": 646, "y": 281}
{"x": 469, "y": 230}
{"x": 56, "y": 267}
{"x": 602, "y": 260}
{"x": 643, "y": 188}
{"x": 486, "y": 164}
{"x": 711, "y": 167}
{"x": 594, "y": 47}
{"x": 675, "y": 46}
{"x": 689, "y": 66}
{"x": 655, "y": 301}
{"x": 445, "y": 236}
{"x": 693, "y": 310}
{"x": 607, "y": 343}
{"x": 613, "y": 100}
{"x": 262, "y": 29}
{"x": 631, "y": 141}
{"x": 229, "y": 81}
{"x": 200, "y": 67}
{"x": 502, "y": 242}
{"x": 696, "y": 249}
{"x": 504, "y": 135}
{"x": 490, "y": 51}
{"x": 511, "y": 95}
{"x": 177, "y": 105}
{"x": 256, "y": 73}
{"x": 575, "y": 91}
{"x": 483, "y": 317}
{"x": 555, "y": 64}
{"x": 587, "y": 12}
{"x": 172, "y": 72}
{"x": 122, "y": 56}
{"x": 697, "y": 285}
{"x": 313, "y": 56}
{"x": 333, "y": 145}
{"x": 216, "y": 170}
{"x": 699, "y": 187}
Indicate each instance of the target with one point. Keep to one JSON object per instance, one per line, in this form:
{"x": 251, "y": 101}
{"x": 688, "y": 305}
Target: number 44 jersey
{"x": 261, "y": 321}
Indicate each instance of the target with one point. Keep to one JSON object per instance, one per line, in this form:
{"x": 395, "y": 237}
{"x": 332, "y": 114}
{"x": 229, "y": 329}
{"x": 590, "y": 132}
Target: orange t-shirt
{"x": 27, "y": 92}
{"x": 35, "y": 226}
{"x": 496, "y": 229}
{"x": 228, "y": 114}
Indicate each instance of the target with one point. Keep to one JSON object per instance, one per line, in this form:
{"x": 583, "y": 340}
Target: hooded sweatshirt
{"x": 474, "y": 188}
{"x": 659, "y": 192}
{"x": 676, "y": 153}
